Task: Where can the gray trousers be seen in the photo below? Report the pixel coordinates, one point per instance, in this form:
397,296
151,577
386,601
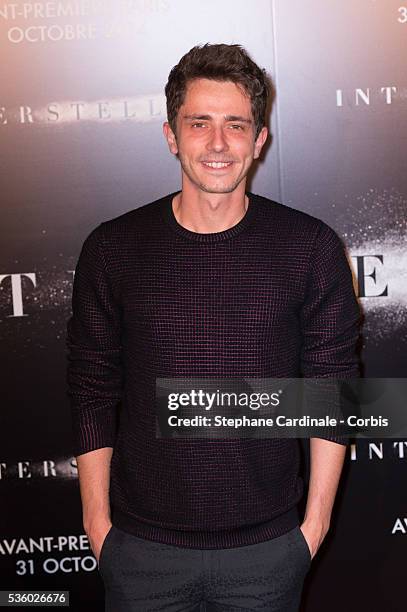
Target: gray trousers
142,576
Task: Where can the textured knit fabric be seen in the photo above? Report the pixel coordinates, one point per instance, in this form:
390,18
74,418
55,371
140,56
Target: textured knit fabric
270,297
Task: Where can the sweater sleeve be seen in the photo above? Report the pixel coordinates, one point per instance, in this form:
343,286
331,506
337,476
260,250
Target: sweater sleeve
329,322
94,352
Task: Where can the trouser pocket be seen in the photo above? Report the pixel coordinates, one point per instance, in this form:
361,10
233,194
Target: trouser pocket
104,549
304,545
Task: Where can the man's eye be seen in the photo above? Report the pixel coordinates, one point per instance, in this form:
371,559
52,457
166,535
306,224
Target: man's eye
237,127
198,125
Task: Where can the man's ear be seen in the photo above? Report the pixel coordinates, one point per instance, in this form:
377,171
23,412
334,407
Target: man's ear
170,138
260,140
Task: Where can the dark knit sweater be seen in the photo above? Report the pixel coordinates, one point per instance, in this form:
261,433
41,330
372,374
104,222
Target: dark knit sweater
270,297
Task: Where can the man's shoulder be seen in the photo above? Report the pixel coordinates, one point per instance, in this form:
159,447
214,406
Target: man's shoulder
291,223
143,219
276,212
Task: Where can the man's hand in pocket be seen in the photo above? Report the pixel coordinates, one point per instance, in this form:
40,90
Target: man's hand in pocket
97,535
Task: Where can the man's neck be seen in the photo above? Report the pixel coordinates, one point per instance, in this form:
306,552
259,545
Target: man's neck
206,213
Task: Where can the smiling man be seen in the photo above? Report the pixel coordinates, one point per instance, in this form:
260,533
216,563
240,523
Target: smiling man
215,146
211,281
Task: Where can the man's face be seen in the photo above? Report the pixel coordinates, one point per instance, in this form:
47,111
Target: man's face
215,136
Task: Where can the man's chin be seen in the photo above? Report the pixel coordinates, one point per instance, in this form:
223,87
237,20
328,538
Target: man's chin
219,188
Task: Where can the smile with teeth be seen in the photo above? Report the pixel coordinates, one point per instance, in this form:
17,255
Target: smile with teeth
217,164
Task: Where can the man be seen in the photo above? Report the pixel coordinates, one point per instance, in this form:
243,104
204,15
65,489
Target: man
211,281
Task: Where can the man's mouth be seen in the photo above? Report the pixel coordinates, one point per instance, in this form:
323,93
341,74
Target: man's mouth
213,164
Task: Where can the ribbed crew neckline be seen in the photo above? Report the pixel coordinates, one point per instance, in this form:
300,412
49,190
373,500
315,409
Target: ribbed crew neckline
168,215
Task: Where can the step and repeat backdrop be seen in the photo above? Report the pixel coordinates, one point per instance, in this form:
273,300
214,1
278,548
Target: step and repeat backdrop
81,113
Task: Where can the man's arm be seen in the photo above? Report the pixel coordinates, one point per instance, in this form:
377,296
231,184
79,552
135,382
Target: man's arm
330,327
94,478
94,382
326,466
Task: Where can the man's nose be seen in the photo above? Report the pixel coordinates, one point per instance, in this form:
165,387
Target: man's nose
217,141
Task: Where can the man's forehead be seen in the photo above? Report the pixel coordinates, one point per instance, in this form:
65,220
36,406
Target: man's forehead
207,97
199,85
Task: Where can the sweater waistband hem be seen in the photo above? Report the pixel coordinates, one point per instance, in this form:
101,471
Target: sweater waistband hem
227,538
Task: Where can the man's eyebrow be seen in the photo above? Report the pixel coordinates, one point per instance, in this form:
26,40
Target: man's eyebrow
227,117
198,117
238,118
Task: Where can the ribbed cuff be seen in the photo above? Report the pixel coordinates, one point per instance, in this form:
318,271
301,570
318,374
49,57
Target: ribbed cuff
92,434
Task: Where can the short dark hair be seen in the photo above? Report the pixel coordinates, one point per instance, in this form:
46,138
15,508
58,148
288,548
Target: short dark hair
219,62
